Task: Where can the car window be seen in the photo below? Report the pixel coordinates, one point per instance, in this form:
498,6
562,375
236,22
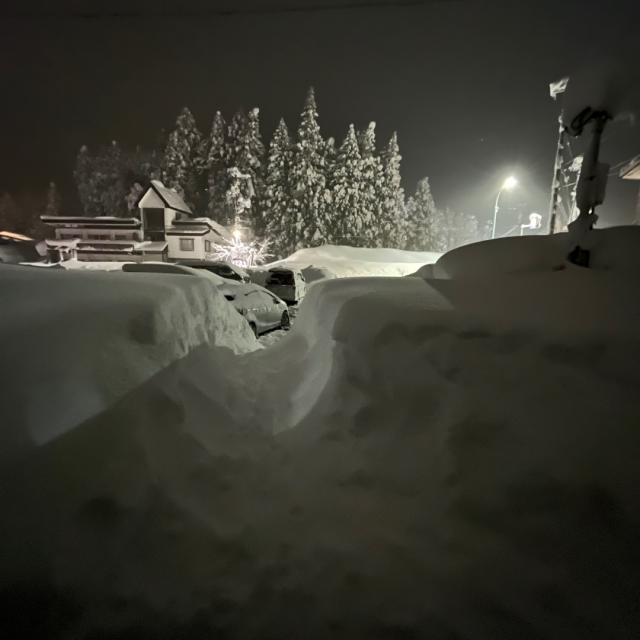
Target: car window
281,279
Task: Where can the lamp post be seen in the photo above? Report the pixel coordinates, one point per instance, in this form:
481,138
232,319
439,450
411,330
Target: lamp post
509,183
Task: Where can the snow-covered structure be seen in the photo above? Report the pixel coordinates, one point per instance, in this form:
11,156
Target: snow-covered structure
166,229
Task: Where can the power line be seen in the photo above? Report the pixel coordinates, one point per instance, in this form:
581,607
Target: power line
187,13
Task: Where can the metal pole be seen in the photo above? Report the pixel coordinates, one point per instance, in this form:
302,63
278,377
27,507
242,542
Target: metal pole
495,215
555,187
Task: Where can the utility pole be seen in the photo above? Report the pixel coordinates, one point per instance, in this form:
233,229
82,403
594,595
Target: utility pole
555,187
556,88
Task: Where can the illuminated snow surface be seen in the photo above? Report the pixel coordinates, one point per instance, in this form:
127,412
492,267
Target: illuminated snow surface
342,262
416,458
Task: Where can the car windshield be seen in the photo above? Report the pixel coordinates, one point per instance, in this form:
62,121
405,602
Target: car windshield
281,278
223,271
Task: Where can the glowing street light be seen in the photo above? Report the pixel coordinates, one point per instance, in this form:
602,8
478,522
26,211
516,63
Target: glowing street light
236,234
509,183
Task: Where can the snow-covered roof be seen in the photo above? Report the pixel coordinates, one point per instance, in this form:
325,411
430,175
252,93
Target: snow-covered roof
121,246
149,245
73,242
87,221
190,230
214,226
171,199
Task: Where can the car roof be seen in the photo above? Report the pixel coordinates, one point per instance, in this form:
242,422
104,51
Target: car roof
284,270
212,263
159,267
237,288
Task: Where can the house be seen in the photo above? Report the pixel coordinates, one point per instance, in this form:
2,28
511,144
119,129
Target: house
165,230
631,171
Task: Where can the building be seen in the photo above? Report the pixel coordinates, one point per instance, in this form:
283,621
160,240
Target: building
165,230
631,171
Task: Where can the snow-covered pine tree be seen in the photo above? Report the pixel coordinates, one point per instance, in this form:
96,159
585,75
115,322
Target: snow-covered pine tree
180,163
308,181
329,154
52,207
236,133
391,196
250,160
347,225
84,178
279,215
216,169
453,230
109,181
420,218
371,182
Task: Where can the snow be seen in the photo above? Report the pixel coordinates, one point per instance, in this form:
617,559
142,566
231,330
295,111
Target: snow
416,458
353,262
74,342
615,248
610,85
90,265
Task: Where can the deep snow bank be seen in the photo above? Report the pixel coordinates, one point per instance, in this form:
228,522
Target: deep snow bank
612,249
352,261
417,459
73,342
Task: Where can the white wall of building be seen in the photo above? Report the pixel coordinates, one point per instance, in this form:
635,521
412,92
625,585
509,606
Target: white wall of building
176,252
125,235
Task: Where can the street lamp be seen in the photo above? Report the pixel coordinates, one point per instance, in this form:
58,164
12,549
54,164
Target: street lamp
509,183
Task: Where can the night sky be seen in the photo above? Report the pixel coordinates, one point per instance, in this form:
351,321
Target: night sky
465,84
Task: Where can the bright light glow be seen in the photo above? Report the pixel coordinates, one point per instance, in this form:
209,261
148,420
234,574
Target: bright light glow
242,254
236,234
510,183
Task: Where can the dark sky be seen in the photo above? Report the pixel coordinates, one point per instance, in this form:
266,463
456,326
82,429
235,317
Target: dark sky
464,83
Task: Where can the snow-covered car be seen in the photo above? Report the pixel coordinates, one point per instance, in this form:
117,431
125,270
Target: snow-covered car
287,284
220,268
262,309
160,267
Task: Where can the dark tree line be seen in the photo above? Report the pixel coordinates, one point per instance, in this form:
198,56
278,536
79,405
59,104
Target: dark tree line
20,213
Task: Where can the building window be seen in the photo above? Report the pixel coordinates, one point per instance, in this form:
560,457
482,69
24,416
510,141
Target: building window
207,246
121,236
186,244
99,236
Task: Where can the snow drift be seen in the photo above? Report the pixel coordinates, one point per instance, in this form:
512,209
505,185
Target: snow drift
351,261
74,342
418,458
612,249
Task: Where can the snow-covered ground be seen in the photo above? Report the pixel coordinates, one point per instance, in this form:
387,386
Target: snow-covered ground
353,262
417,458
